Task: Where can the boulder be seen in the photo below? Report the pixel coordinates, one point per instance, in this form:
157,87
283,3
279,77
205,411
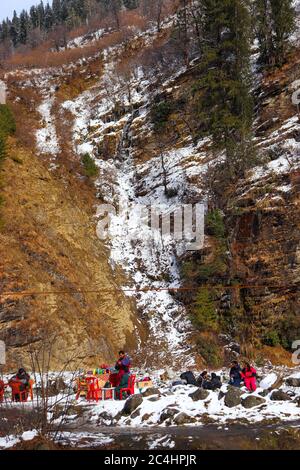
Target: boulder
105,416
277,384
60,411
199,394
146,416
280,395
131,404
167,414
251,401
183,418
293,382
235,347
136,413
55,387
72,410
264,393
268,381
151,391
233,397
297,400
154,398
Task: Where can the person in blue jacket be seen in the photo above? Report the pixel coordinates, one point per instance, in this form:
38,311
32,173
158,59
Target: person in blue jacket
235,374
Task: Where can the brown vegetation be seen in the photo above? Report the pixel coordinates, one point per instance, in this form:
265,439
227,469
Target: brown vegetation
43,55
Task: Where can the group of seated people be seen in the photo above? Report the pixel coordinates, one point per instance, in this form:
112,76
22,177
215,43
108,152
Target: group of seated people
209,382
238,376
205,380
247,374
119,378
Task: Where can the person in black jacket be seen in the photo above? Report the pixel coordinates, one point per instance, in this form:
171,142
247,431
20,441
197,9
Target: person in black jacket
235,374
188,377
203,377
214,383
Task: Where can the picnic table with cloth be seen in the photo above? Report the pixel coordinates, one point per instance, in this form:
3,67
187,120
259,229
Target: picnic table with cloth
104,386
97,386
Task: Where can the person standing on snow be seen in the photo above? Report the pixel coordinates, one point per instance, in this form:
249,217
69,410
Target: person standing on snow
235,374
123,365
248,374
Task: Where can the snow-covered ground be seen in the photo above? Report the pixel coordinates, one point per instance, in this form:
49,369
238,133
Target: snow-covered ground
46,137
178,398
165,406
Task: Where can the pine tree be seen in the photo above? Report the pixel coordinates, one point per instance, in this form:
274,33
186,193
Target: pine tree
80,9
48,18
275,21
24,27
57,11
41,15
14,29
4,30
34,17
264,30
225,104
131,4
64,11
283,17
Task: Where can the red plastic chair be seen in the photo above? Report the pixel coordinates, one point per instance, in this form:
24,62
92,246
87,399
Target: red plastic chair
19,395
2,389
92,388
82,388
130,388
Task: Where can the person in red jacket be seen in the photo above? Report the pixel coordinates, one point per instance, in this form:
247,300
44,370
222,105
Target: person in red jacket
248,374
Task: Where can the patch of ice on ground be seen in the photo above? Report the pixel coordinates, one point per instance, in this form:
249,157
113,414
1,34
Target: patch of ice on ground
161,441
83,439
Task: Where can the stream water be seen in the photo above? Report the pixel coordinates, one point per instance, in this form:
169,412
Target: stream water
207,437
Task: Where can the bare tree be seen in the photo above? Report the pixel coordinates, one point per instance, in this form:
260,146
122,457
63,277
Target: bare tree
59,37
53,395
154,10
114,8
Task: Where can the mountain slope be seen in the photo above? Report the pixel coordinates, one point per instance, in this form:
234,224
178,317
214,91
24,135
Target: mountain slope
109,105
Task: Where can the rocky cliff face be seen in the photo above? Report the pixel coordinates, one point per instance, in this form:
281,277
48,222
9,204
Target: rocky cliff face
55,278
111,106
263,216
